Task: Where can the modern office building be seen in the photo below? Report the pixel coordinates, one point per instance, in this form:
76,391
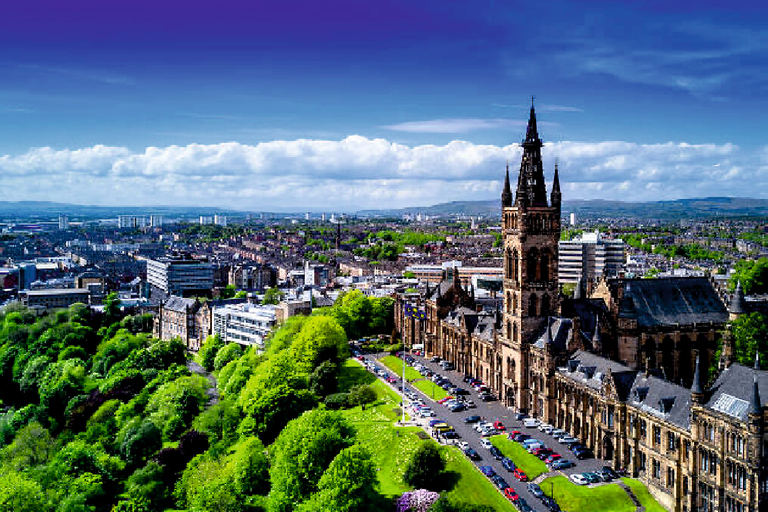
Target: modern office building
179,275
591,256
246,324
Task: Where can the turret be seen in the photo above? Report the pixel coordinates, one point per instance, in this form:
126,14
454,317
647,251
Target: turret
556,196
737,306
506,195
697,392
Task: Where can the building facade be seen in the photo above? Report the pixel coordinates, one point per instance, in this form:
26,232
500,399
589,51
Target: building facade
626,369
179,275
245,324
589,257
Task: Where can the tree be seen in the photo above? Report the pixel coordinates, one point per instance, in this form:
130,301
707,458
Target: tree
362,394
20,494
267,414
323,380
141,443
425,467
302,452
208,351
753,276
272,296
227,353
32,447
111,309
348,485
321,339
750,336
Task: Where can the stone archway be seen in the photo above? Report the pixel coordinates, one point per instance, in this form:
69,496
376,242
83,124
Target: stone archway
607,448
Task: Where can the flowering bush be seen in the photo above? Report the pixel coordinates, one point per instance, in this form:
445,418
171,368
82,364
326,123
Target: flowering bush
419,500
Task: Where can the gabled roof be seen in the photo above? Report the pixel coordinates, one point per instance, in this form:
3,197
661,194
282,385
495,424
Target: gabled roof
662,399
732,392
676,300
180,304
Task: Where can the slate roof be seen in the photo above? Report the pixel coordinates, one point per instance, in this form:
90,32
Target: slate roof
676,300
732,391
647,393
176,303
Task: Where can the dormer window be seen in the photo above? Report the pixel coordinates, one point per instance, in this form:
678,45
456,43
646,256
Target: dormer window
641,393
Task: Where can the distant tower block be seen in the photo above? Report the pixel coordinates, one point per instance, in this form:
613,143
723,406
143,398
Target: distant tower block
63,222
220,220
573,219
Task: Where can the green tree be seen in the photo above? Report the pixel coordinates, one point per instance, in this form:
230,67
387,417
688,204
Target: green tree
362,394
753,276
111,309
32,447
20,494
750,336
209,350
348,485
140,443
272,296
266,415
227,353
425,467
321,339
324,380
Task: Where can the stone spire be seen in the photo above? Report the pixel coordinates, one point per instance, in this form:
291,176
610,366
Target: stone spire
755,405
531,189
578,292
556,197
697,392
506,195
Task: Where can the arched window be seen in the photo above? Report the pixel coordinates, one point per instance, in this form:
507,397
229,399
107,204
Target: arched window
508,264
544,263
513,270
514,331
532,262
532,306
545,305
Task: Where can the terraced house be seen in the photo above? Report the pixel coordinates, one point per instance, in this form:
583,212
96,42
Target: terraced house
625,369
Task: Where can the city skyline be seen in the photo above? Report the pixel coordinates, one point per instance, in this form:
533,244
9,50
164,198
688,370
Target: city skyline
353,106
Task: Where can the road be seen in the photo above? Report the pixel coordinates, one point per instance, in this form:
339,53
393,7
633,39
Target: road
495,411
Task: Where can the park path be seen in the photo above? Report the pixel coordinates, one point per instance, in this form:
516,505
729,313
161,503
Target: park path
213,390
635,501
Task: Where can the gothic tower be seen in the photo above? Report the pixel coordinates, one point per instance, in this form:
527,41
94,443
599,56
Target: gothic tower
531,227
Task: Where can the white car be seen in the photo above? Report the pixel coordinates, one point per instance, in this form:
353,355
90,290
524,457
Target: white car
485,443
567,440
531,422
558,433
426,412
463,445
546,428
578,479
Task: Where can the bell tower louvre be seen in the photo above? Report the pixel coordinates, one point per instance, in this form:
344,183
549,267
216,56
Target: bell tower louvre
531,228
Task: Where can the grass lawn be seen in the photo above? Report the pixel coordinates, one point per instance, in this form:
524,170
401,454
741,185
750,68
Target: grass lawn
531,464
395,364
391,448
643,496
353,373
580,498
430,389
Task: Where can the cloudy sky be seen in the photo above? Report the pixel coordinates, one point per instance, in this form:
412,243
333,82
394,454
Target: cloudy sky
349,104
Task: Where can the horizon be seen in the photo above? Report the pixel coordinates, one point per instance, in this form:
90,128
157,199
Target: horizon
347,106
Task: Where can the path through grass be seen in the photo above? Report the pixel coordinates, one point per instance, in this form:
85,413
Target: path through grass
643,496
580,498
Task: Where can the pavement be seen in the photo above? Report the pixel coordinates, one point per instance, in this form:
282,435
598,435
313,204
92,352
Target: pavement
493,411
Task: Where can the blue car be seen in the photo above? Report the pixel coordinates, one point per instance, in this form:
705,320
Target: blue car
508,464
487,471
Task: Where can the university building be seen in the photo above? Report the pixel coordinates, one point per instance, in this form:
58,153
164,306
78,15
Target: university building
630,367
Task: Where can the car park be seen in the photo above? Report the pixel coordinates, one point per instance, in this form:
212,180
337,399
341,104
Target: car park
578,479
520,475
535,490
507,463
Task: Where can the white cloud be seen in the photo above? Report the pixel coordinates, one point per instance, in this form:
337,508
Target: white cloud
358,172
454,125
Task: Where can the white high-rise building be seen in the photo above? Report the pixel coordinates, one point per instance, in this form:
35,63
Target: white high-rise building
63,222
220,220
156,221
591,256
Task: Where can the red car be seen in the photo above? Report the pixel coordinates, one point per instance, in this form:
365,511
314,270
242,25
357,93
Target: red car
512,434
499,426
552,458
520,475
511,494
542,452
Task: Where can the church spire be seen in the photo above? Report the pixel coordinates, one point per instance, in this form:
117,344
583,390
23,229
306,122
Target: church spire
531,189
506,195
556,196
697,392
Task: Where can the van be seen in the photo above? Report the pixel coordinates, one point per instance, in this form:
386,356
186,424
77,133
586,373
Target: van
529,442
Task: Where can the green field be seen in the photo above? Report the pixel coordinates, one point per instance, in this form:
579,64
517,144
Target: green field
580,498
395,364
643,496
532,465
392,446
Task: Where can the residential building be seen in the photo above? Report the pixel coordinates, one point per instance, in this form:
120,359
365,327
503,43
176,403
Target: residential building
189,320
51,298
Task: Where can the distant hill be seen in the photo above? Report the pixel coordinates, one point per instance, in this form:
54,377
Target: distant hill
664,210
47,210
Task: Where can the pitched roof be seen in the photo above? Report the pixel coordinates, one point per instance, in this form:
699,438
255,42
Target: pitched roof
732,392
676,300
180,304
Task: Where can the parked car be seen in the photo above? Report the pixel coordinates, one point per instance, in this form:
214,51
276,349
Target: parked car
520,475
458,407
531,422
546,428
512,433
552,457
605,476
610,471
499,426
463,445
472,419
584,453
508,464
434,422
472,454
487,471
486,397
535,490
496,453
592,478
568,440
511,494
451,434
521,437
551,504
499,482
520,416
578,479
562,464
485,443
523,505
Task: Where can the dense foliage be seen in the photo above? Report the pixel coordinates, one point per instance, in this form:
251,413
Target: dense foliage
753,276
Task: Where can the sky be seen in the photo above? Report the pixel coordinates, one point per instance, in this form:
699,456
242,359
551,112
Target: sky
344,104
